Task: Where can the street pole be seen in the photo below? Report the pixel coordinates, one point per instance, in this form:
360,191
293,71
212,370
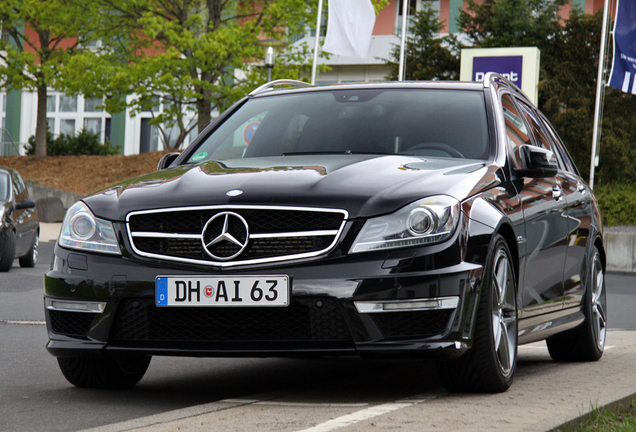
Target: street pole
600,93
403,43
316,44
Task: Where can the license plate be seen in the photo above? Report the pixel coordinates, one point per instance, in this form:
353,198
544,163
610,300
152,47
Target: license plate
222,291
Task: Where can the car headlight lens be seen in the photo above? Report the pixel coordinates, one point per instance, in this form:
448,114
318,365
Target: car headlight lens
81,230
430,220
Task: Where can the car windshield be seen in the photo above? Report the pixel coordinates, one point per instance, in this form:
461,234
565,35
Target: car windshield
4,187
421,122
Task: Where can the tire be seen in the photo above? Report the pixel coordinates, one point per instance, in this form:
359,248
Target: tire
490,364
120,372
31,257
587,341
8,253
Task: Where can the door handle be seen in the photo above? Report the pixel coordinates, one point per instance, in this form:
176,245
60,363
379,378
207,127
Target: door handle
581,188
557,193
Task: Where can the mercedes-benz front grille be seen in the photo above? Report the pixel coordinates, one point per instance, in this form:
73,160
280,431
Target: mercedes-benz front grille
234,235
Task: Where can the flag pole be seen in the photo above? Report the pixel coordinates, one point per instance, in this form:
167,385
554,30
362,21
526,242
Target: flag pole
600,92
316,44
402,57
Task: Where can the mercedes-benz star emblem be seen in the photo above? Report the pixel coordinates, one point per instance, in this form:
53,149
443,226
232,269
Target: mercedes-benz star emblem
225,236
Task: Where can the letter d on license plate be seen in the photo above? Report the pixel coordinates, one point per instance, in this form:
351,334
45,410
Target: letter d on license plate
222,291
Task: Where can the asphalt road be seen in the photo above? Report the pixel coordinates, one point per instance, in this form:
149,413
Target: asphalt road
34,396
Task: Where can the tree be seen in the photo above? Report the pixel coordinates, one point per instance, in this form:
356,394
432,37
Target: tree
43,35
428,56
194,55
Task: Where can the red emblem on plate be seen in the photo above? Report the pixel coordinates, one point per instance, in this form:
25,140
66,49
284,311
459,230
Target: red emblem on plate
209,291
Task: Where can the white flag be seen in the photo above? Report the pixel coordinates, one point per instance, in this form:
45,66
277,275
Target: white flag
349,27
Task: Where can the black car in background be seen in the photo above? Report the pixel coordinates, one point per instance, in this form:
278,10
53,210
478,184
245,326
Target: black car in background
19,226
440,219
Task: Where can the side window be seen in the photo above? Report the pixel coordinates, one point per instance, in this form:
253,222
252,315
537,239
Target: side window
542,138
4,188
560,147
516,131
19,190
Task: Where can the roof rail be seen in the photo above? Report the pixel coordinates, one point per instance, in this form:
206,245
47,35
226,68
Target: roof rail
270,85
492,76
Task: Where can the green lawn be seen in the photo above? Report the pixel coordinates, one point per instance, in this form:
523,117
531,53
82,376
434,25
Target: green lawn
622,419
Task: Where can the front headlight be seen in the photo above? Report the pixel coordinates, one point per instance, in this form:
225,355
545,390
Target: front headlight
81,230
430,220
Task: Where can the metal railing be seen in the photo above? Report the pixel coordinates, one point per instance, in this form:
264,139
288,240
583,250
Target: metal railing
8,147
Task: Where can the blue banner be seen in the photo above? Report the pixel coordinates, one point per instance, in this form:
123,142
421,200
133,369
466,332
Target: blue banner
623,75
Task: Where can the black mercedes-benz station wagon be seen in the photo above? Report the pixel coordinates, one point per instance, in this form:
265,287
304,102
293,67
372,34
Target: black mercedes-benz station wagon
420,219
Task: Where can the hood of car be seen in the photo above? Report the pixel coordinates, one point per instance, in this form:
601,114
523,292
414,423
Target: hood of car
364,185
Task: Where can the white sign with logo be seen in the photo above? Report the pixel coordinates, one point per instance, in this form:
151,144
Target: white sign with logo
519,65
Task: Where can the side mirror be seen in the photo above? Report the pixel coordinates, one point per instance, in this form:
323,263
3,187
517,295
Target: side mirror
166,160
539,162
24,204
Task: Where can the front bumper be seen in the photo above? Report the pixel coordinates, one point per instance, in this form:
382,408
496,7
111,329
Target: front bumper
380,304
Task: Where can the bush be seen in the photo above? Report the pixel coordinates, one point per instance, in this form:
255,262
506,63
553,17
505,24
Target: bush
617,202
84,143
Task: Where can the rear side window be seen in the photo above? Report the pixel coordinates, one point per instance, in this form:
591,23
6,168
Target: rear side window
422,122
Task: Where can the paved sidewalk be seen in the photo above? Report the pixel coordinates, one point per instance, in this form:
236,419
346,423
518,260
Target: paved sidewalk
544,396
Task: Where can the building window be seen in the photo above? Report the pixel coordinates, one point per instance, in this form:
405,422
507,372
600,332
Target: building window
68,103
323,27
93,125
91,104
67,127
50,124
51,103
153,104
414,6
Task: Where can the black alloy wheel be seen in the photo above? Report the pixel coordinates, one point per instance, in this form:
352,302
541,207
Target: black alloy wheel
31,257
8,252
586,342
490,364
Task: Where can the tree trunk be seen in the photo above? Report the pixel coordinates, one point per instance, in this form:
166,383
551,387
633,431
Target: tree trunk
204,112
41,126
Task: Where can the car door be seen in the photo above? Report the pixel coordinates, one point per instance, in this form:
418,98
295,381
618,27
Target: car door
544,210
580,208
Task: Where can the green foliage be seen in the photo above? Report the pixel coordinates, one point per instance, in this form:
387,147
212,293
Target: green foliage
428,56
506,23
42,37
618,419
617,202
84,143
